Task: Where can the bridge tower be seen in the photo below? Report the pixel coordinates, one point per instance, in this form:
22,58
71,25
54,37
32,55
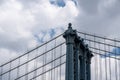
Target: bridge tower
78,56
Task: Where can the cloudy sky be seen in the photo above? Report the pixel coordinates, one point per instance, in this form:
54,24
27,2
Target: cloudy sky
27,23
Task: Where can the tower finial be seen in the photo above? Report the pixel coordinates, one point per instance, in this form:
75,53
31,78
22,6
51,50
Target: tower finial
70,25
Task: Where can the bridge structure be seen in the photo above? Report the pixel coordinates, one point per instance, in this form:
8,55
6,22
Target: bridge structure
72,55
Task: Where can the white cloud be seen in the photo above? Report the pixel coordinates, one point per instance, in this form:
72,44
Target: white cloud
21,20
54,15
18,24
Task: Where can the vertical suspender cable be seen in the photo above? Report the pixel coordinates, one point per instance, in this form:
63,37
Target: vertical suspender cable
60,60
9,78
54,61
18,67
52,65
35,63
115,59
26,77
105,59
95,58
100,73
45,57
109,62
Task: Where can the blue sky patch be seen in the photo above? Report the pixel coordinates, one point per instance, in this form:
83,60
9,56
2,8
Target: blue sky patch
114,52
60,3
51,33
42,37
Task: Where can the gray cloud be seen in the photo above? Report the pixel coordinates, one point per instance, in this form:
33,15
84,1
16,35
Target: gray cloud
100,17
1,1
89,6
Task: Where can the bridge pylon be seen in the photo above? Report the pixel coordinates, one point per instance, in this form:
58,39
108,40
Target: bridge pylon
78,56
